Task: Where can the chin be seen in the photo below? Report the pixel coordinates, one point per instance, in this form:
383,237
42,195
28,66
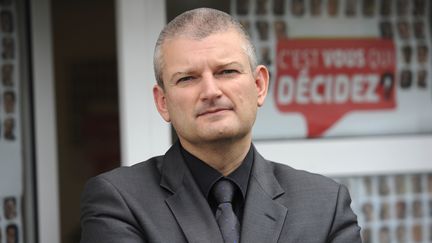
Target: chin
224,135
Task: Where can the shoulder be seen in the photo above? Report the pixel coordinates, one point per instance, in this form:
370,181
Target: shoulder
150,166
319,205
300,181
291,179
129,178
322,197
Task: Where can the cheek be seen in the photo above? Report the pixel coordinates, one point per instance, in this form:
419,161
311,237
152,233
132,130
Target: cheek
250,100
247,96
179,107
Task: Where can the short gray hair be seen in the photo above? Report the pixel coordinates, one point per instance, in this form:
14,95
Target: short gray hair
198,24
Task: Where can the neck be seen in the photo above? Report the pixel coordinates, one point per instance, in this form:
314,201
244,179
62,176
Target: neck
224,156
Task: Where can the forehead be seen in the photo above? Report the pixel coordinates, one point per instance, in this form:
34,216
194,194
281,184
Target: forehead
217,46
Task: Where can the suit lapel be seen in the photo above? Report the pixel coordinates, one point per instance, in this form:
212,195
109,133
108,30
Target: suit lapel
187,203
263,216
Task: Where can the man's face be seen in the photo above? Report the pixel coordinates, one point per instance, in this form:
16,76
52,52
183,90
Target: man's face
211,94
11,235
8,125
9,103
10,209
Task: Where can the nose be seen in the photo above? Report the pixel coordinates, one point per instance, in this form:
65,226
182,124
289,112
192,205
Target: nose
210,89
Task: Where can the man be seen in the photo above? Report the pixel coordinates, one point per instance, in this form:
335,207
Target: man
10,208
209,87
11,233
9,126
9,101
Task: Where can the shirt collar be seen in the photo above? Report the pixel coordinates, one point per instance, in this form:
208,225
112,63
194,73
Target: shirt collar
205,176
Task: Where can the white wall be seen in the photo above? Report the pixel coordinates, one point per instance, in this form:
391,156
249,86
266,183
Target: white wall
143,132
354,156
45,123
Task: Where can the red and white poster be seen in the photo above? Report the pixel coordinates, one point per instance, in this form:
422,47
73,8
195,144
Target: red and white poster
325,79
342,68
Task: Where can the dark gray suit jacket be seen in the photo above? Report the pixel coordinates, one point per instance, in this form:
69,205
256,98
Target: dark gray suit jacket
159,201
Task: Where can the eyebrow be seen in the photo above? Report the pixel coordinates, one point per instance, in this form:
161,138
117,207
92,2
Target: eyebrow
235,63
219,66
173,77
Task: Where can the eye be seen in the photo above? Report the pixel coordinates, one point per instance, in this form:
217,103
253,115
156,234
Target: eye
187,78
228,71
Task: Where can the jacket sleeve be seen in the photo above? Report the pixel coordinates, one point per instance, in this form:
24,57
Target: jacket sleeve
105,216
344,227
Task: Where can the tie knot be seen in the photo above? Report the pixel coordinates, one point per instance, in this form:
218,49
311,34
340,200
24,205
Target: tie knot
223,191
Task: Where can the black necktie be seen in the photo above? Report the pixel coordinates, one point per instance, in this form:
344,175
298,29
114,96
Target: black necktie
223,192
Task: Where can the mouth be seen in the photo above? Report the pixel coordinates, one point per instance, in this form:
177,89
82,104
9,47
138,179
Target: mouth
213,111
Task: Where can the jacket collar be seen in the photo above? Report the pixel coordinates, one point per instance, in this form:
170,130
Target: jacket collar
187,203
195,217
262,205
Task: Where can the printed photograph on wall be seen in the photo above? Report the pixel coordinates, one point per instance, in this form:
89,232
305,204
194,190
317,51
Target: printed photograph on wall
11,160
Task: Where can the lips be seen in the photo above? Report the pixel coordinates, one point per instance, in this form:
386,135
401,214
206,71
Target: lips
213,110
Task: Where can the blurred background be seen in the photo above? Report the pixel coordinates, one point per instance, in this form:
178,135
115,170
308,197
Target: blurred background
350,97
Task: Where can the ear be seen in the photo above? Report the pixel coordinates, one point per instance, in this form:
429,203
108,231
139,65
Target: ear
160,102
262,82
